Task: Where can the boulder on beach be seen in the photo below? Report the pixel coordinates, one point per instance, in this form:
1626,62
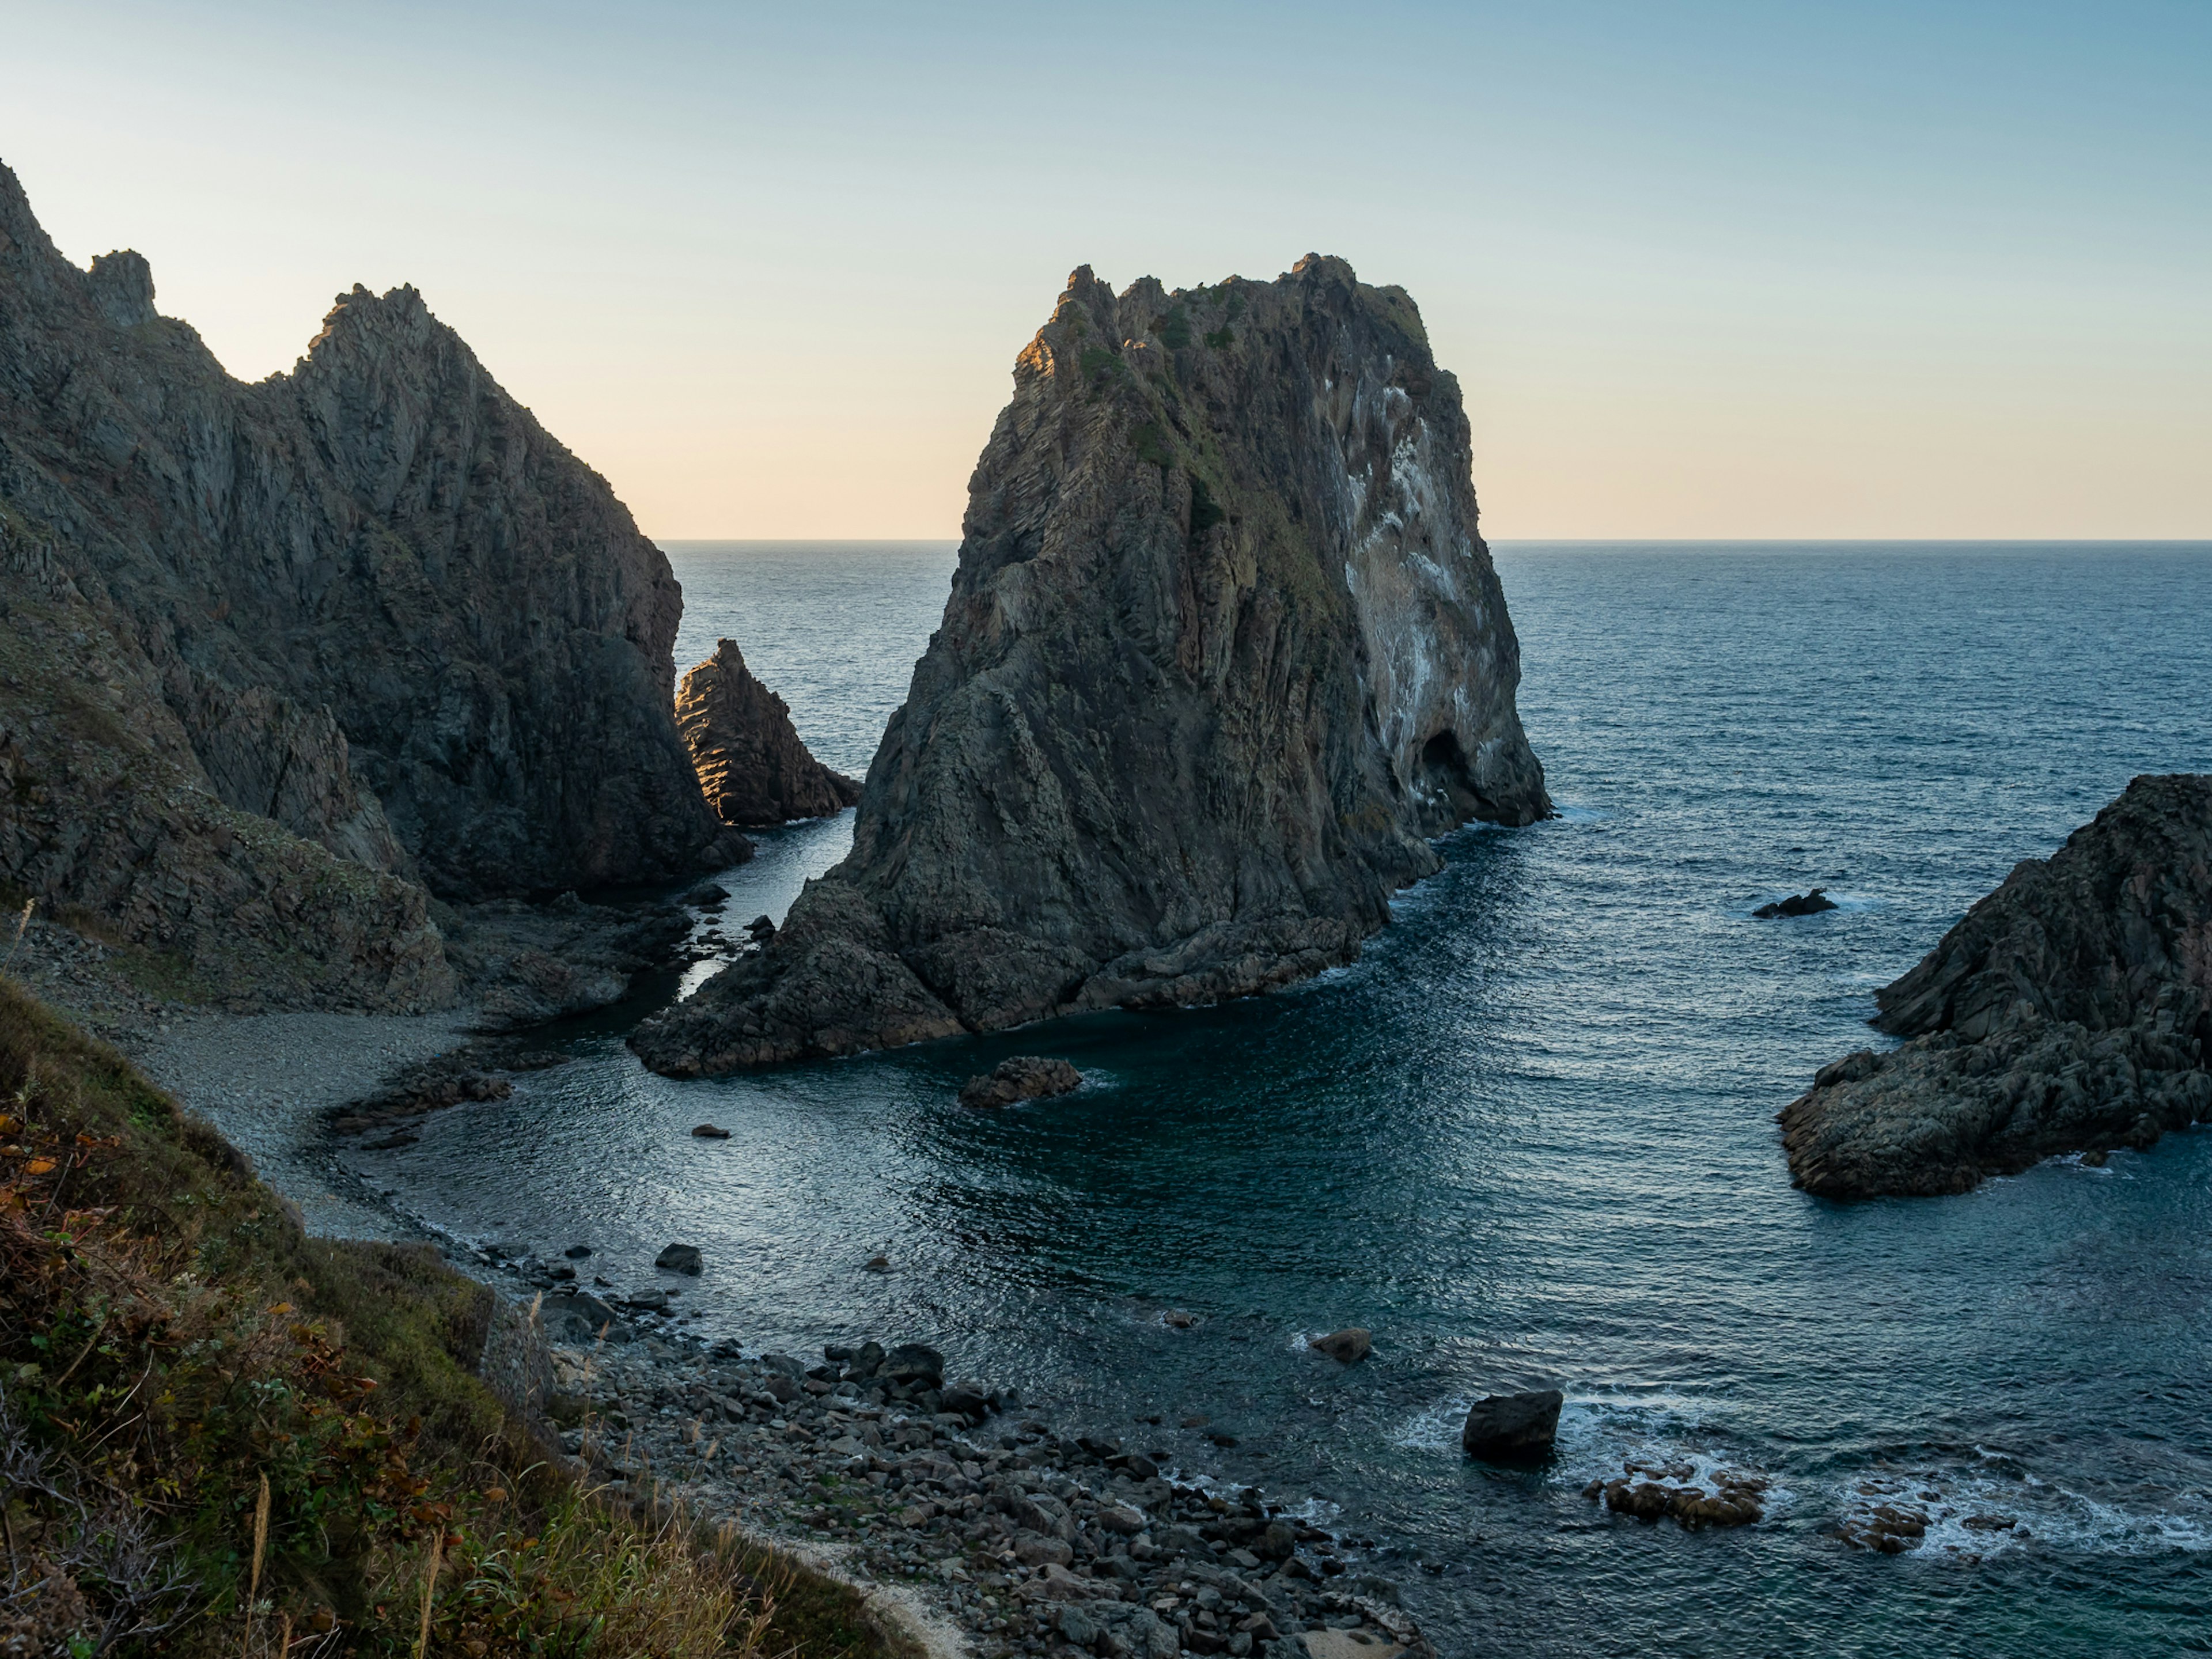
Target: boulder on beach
680,1259
1797,904
1347,1346
1513,1428
1225,651
1025,1077
2070,1012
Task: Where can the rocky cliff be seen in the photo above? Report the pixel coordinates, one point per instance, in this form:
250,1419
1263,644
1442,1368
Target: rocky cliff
1222,649
751,762
352,629
2071,1011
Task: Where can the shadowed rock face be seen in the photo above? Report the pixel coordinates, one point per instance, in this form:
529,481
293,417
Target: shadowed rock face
751,762
370,603
2071,1011
1223,648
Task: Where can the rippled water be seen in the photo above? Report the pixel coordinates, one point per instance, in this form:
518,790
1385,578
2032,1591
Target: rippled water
1528,1137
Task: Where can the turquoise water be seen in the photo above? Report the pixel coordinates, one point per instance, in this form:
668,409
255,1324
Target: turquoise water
1527,1138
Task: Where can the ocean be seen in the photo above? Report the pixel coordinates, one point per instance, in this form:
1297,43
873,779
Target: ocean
1528,1137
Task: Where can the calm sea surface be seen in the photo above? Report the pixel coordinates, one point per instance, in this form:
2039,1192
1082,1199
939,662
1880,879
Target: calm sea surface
1529,1138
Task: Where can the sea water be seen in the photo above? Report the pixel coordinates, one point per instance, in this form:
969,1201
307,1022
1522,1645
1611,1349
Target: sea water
1528,1137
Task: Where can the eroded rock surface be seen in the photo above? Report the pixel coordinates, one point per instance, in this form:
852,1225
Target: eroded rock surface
2071,1011
753,767
276,657
1223,649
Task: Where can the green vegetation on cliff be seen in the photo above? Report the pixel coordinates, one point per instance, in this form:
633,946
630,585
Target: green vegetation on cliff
218,1434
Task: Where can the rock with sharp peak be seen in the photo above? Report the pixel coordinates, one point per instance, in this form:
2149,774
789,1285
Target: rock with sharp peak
281,656
1224,651
2070,1012
753,767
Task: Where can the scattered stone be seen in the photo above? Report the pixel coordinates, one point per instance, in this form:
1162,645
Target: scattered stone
1648,1493
760,930
708,897
680,1259
1513,1428
878,1264
1179,1319
710,1132
1347,1346
1798,904
1024,1077
577,1252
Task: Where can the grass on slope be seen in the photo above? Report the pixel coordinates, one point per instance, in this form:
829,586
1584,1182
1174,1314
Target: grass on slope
219,1436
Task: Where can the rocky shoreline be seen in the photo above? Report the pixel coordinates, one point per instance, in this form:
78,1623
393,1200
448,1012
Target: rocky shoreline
1020,1535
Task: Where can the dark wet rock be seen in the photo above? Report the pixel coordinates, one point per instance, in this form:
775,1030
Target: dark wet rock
1347,1346
914,1363
1513,1428
752,767
1224,651
577,1252
1024,1077
680,1259
759,929
711,896
710,1132
2071,1011
1648,1492
526,964
1798,904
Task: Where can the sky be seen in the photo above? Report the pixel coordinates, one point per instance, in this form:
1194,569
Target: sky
1704,270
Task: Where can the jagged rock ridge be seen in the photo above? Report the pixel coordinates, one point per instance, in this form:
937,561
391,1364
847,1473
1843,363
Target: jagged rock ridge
1222,649
751,762
2069,1011
352,628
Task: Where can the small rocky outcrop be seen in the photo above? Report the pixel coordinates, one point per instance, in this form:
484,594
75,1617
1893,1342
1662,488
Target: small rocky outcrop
2071,1011
1024,1077
1797,904
279,656
1224,651
1513,1428
1347,1346
753,767
1649,1492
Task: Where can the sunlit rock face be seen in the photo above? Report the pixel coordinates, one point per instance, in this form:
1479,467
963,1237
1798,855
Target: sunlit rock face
751,765
282,655
1223,648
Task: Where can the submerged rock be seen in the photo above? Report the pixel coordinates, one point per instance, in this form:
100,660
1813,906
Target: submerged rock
2071,1011
1024,1077
1797,904
1347,1346
753,767
1513,1428
1223,650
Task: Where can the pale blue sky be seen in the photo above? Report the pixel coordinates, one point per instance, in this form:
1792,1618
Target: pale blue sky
1704,270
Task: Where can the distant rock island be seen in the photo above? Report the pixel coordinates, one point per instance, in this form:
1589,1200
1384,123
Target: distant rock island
280,661
751,762
1223,648
2071,1011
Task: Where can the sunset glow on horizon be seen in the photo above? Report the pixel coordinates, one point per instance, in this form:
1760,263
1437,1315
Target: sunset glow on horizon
1704,271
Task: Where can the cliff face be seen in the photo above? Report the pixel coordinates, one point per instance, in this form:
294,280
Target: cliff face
370,604
1223,648
751,762
2069,1011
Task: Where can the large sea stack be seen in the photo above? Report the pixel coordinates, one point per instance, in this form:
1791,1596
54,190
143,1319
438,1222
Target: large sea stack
1223,648
2071,1011
276,657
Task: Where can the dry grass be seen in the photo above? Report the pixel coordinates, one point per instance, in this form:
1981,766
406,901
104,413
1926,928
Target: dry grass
218,1436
